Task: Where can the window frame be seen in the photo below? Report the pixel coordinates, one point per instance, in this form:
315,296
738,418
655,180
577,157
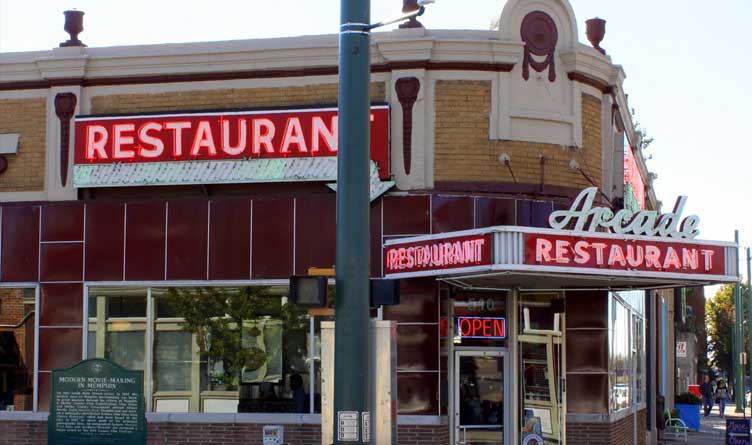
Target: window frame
633,302
36,288
151,319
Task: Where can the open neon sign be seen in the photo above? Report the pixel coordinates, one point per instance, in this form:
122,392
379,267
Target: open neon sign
482,327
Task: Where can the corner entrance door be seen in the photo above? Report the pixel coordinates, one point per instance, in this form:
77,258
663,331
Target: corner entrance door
479,394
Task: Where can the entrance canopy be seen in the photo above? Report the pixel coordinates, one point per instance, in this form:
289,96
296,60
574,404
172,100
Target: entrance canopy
532,258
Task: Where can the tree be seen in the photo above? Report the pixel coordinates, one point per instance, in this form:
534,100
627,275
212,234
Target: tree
223,320
720,319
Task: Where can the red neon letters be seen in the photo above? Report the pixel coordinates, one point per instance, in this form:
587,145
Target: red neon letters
438,254
481,327
221,135
620,254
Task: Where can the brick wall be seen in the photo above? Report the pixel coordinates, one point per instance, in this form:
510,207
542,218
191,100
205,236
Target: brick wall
423,434
223,99
26,117
620,432
14,432
463,151
35,433
642,427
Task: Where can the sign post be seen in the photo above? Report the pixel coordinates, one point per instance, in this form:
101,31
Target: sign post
738,341
96,401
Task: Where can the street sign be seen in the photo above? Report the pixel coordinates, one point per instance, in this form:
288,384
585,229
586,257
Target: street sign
96,401
737,431
274,435
347,426
681,349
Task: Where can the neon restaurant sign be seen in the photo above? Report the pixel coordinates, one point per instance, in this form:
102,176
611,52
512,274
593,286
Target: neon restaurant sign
274,145
625,246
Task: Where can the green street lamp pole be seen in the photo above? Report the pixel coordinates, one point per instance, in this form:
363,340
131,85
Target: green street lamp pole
738,340
351,344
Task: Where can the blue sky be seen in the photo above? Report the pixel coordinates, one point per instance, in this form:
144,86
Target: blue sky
686,61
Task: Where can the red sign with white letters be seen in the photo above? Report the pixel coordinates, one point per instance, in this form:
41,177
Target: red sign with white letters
438,254
222,135
623,254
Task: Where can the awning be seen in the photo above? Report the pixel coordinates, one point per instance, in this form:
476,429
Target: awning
548,259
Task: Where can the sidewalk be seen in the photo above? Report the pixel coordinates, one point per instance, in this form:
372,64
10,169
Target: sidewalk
713,428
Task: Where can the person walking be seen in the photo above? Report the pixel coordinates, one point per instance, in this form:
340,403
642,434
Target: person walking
706,391
721,395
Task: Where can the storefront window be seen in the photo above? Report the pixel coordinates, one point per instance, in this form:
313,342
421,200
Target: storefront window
626,351
213,349
620,357
117,326
17,322
540,341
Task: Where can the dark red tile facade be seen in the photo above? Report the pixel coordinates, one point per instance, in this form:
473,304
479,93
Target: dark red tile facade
315,232
418,347
451,213
419,302
491,212
59,347
407,215
145,241
273,238
61,261
417,393
19,260
105,222
187,237
61,304
230,239
63,222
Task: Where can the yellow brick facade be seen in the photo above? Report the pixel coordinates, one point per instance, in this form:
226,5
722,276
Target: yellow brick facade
26,117
223,99
463,151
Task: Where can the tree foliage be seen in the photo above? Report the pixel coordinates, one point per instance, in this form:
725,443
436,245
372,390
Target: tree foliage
720,317
221,318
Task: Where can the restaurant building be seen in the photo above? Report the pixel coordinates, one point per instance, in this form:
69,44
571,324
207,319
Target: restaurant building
156,199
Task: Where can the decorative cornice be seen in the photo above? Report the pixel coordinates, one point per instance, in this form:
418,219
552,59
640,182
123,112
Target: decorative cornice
582,78
252,74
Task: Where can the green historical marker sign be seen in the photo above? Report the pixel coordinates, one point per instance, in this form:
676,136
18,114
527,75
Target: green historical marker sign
96,402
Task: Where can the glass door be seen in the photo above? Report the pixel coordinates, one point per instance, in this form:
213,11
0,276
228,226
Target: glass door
479,410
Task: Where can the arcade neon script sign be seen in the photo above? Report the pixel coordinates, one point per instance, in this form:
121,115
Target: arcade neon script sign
292,135
438,254
629,253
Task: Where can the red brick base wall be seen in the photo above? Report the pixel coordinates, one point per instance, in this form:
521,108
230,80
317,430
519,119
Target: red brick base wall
620,432
423,434
35,433
23,432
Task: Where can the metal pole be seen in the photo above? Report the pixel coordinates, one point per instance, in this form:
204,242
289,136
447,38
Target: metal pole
749,314
351,344
738,340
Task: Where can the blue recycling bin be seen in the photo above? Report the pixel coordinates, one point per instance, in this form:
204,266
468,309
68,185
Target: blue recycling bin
690,414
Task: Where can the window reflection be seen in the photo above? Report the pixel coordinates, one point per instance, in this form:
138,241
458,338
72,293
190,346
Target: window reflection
626,351
17,318
540,351
213,349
